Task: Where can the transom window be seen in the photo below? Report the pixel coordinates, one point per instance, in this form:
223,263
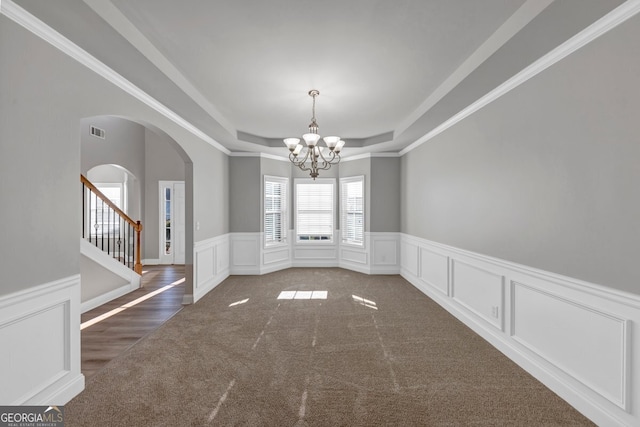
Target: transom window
315,210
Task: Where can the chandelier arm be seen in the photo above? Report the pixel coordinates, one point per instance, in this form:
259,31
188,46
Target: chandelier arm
331,158
298,162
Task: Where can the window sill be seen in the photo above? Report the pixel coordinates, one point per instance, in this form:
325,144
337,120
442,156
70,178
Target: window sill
278,245
353,245
315,242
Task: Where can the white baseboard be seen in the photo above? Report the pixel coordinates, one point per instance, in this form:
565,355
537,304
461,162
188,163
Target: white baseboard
109,296
588,361
40,336
150,261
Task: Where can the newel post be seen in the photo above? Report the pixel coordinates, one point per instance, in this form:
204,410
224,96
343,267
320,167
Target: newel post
138,266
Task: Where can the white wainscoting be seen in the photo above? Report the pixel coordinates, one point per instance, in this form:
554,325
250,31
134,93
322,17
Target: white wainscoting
379,255
40,339
210,264
575,337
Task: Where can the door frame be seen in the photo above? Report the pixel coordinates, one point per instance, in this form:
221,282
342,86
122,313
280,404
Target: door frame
164,258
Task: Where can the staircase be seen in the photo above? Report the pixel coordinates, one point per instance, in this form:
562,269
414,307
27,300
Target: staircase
110,246
110,229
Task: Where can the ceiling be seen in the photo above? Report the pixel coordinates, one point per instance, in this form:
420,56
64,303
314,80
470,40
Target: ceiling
240,70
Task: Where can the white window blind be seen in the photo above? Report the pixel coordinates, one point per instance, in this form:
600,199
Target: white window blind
352,210
314,211
275,210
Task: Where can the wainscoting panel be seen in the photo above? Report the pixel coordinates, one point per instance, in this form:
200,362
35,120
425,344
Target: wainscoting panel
584,342
40,336
478,290
245,253
313,255
434,269
409,257
385,253
275,258
580,339
211,264
353,255
277,255
205,266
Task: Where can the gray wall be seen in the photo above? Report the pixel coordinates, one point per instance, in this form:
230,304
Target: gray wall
123,146
244,200
43,98
246,183
546,176
385,194
162,163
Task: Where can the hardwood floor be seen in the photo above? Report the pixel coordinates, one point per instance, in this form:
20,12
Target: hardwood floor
129,318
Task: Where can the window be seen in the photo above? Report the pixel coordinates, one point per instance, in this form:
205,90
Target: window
103,219
275,210
352,210
314,210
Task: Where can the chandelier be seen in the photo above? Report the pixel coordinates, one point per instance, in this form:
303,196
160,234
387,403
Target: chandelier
314,158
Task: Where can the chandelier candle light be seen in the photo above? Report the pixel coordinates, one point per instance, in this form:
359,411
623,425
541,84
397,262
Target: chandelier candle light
320,158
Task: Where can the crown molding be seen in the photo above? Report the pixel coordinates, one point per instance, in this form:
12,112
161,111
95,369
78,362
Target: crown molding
608,22
60,42
257,154
524,15
369,156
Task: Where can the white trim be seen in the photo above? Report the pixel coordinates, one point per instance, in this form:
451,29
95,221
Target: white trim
341,210
150,261
283,180
210,266
368,156
258,154
588,361
525,14
592,32
47,375
57,40
615,295
106,297
116,19
96,255
379,255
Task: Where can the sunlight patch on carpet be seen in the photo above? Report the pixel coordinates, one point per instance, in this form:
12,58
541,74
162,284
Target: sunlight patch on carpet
365,302
233,304
303,295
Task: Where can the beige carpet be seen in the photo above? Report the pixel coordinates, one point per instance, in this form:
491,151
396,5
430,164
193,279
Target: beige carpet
388,356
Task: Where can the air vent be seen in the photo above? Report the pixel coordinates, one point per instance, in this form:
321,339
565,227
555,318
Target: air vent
97,132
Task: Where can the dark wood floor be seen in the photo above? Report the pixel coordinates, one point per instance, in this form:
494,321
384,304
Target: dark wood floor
103,341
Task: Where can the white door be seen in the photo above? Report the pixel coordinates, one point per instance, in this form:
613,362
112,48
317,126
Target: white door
172,222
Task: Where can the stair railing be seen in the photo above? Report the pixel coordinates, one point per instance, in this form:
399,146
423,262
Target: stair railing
107,227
